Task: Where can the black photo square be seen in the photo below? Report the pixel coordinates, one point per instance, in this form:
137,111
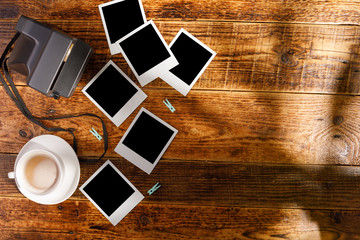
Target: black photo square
120,17
147,53
145,49
146,140
193,57
108,190
148,137
111,192
114,93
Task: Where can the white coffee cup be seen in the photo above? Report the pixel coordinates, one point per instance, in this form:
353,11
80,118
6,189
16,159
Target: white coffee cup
37,172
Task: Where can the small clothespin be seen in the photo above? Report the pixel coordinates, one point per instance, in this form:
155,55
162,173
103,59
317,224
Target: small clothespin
154,188
96,134
168,104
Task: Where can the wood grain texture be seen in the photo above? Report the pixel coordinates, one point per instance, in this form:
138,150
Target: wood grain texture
207,183
81,220
307,11
173,222
218,126
250,57
24,219
268,142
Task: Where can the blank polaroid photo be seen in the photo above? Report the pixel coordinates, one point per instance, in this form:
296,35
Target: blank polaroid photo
193,57
146,140
111,192
114,93
147,53
120,17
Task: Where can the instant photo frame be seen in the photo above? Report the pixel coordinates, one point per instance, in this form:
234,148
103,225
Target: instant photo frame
114,93
111,192
147,53
120,17
193,57
146,140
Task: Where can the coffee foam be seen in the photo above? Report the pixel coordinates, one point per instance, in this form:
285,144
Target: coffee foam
41,173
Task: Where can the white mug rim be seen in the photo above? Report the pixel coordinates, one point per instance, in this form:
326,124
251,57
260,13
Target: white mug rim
27,192
68,158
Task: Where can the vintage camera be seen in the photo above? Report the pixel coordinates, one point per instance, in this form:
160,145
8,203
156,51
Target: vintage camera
52,60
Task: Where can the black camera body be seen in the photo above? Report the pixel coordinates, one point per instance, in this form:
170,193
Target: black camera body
52,60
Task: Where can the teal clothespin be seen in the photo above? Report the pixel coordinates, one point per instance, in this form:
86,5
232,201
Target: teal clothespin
95,133
168,104
154,188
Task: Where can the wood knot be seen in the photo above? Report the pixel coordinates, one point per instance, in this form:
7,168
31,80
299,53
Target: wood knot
144,220
26,133
328,185
338,120
76,212
286,56
337,216
233,210
289,56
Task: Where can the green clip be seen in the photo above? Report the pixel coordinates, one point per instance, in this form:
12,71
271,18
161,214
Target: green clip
168,104
95,133
154,188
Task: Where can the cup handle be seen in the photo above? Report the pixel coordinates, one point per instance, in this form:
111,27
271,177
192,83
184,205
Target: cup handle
11,175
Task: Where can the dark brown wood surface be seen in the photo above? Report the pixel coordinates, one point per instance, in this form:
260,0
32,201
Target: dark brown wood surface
269,137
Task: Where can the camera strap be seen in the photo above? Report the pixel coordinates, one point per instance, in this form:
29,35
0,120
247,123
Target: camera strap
15,96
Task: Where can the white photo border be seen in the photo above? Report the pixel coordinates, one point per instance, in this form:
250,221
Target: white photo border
152,73
126,206
114,47
176,82
134,157
126,110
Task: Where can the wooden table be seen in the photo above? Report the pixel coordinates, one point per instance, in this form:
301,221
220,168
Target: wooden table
268,142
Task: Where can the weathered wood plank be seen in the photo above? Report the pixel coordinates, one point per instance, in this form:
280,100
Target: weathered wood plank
230,126
250,57
184,222
245,162
173,222
22,219
338,12
207,183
